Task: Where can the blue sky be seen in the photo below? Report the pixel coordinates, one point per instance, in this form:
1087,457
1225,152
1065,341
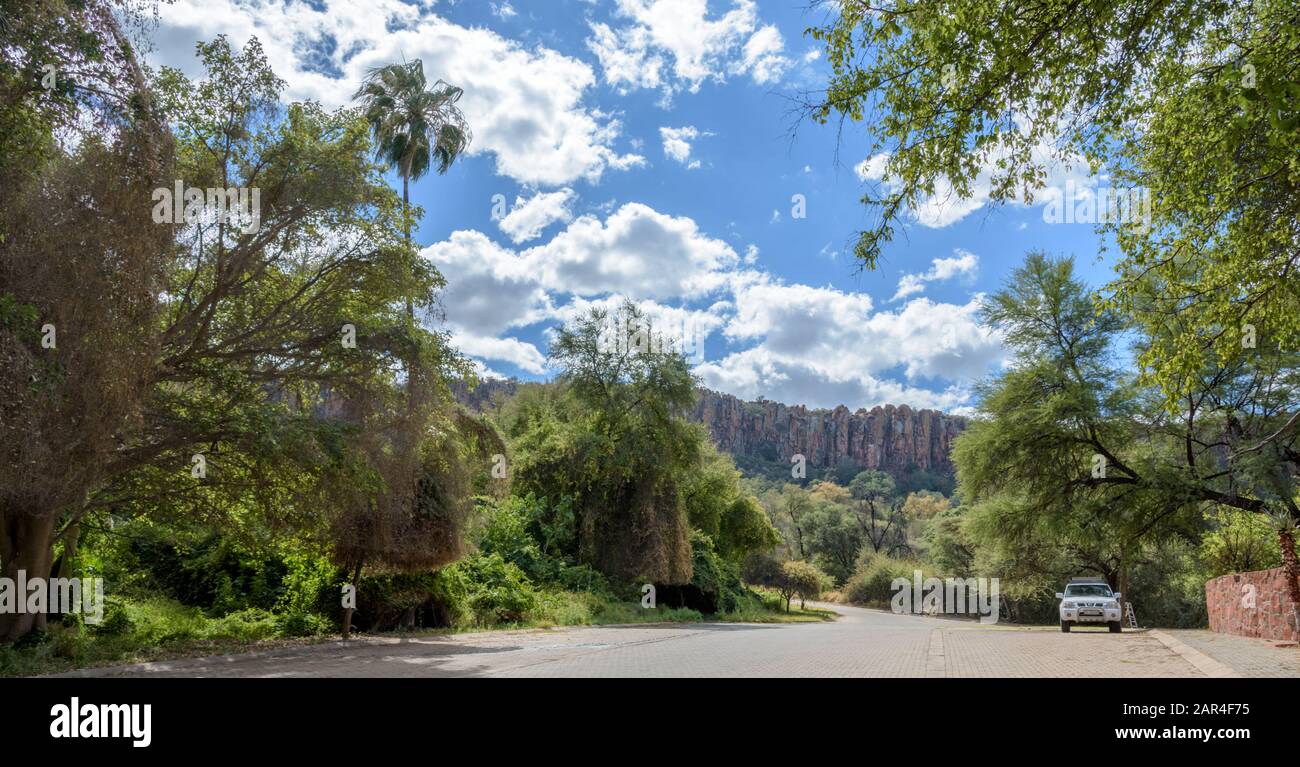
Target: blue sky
644,149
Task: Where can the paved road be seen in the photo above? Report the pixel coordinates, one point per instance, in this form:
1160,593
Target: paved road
862,643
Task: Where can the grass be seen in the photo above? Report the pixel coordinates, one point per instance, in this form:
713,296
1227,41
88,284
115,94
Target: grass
137,631
155,629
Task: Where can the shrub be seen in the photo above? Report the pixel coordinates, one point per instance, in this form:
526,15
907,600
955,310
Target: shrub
116,621
803,579
872,583
499,592
583,578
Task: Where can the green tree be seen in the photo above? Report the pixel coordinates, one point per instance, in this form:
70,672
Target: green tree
1070,449
1196,103
80,269
718,506
416,127
612,437
802,579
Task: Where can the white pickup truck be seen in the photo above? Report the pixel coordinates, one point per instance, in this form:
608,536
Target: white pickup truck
1090,600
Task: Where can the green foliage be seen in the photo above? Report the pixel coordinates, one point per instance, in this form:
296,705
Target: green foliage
499,591
802,579
718,506
871,583
716,577
1194,103
1239,542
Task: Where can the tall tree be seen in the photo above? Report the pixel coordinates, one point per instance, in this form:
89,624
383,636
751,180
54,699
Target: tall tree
80,266
1070,448
616,442
1196,103
416,127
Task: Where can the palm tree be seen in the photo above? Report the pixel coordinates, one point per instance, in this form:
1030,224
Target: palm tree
416,127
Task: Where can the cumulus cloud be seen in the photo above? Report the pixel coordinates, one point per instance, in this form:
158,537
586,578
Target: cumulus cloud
635,251
962,263
523,355
490,289
526,105
797,343
674,44
529,217
677,143
825,347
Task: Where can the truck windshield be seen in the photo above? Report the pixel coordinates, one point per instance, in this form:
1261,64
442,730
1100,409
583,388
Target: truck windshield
1087,590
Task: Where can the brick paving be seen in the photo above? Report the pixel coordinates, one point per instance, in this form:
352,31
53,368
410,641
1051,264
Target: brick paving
862,643
1247,656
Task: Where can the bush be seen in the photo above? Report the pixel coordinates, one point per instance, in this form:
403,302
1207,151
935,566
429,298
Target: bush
499,591
116,621
584,578
871,583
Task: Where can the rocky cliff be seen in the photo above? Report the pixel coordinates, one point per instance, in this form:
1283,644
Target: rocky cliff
889,438
894,439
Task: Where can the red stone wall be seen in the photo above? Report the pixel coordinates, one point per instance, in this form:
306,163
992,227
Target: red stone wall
1228,599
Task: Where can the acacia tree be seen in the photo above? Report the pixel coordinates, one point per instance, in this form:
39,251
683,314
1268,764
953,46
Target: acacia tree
1071,449
879,513
1197,103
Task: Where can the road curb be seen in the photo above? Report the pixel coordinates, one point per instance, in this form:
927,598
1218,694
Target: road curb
1204,663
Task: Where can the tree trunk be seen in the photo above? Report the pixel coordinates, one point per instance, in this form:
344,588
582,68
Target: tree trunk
1291,567
25,545
67,561
406,223
347,611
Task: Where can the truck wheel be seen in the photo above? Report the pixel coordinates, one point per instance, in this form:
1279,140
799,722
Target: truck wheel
1065,627
1115,627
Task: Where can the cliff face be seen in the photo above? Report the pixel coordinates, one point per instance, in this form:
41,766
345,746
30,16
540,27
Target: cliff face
887,438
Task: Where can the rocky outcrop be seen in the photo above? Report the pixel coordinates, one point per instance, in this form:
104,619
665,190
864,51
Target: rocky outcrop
894,439
889,438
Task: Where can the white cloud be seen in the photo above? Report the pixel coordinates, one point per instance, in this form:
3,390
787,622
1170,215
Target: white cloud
824,347
673,44
963,263
518,353
945,207
529,217
490,289
872,168
677,143
796,343
638,251
525,105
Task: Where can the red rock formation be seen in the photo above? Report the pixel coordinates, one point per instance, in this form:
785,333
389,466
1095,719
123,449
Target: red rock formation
888,438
